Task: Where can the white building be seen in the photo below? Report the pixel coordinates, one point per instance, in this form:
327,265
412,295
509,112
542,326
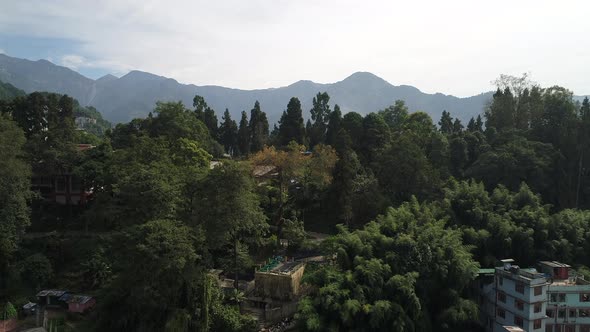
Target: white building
518,297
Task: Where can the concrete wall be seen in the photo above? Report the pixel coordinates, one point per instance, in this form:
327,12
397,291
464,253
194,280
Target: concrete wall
278,286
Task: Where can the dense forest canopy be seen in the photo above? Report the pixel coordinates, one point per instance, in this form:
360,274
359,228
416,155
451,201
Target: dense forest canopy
415,206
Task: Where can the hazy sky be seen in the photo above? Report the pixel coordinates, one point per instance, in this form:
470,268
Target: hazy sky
454,47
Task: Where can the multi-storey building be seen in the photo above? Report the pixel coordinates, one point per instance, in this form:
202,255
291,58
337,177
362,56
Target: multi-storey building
517,297
568,296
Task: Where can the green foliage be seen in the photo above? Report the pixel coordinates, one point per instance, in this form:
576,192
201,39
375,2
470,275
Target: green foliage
37,270
15,177
7,311
397,264
291,124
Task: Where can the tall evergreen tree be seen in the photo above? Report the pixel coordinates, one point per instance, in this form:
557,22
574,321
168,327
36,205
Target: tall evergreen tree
457,126
291,124
479,124
228,133
200,106
320,113
210,120
259,128
471,126
334,126
446,123
244,135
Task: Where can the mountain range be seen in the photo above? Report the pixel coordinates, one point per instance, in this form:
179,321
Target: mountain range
135,94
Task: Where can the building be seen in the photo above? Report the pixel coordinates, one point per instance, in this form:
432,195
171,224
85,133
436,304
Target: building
279,280
277,289
516,298
64,188
568,299
78,303
50,297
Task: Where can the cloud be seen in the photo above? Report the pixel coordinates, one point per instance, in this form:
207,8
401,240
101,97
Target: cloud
2,51
457,46
73,61
77,62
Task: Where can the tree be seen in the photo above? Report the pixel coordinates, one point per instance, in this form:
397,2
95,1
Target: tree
446,123
320,114
352,122
376,135
159,276
228,134
229,210
295,168
291,124
457,126
15,181
395,115
210,120
334,126
244,135
258,128
389,275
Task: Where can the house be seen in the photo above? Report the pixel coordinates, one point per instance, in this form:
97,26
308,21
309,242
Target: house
568,299
552,299
50,298
78,303
64,188
517,297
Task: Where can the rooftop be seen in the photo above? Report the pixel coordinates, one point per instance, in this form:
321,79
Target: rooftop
75,298
279,265
527,275
51,292
554,264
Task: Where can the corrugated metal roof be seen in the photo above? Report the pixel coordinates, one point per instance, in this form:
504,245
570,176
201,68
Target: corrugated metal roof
51,292
75,298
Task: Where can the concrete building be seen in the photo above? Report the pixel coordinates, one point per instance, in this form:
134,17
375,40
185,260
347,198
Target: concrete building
568,299
516,298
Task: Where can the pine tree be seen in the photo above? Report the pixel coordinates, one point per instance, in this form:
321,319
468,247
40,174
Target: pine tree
244,135
479,124
334,126
320,113
446,123
457,126
291,124
259,128
228,133
471,126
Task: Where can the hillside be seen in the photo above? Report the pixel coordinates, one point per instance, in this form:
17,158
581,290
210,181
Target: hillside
134,94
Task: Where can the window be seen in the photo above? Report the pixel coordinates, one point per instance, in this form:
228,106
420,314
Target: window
570,328
572,313
538,307
501,313
561,313
548,328
561,297
501,280
553,297
537,324
518,321
550,312
502,297
584,312
585,297
519,304
584,328
538,291
519,287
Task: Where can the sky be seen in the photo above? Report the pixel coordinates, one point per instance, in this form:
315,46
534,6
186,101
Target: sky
455,47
